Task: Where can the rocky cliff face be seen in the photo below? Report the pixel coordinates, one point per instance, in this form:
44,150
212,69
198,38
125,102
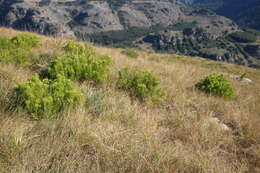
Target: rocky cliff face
65,17
197,42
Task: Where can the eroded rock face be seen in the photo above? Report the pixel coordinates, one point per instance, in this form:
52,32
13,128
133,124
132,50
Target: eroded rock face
96,16
196,42
133,18
29,15
162,13
65,17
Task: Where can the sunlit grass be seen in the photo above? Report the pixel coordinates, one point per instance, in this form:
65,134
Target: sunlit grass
116,133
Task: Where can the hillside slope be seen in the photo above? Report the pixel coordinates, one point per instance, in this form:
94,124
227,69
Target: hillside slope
129,23
243,12
188,131
67,18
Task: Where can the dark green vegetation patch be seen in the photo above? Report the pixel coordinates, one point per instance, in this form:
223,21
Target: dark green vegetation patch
25,41
73,47
216,85
17,49
140,84
243,37
130,53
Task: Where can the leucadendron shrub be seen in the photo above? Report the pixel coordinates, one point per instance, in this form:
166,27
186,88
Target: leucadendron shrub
5,43
17,49
81,67
140,84
75,48
26,41
130,53
9,53
217,85
46,98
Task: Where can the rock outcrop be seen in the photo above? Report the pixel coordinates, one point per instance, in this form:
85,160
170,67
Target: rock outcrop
66,17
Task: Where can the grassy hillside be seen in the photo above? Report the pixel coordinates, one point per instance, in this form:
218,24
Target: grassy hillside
187,131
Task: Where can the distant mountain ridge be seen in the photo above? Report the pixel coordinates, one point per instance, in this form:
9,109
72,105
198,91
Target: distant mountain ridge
245,12
65,17
161,25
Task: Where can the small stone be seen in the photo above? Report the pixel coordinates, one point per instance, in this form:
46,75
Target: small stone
216,121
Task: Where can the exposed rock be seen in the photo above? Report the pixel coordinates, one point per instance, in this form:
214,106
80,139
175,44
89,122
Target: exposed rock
217,122
27,15
162,13
196,42
95,17
239,78
65,17
133,18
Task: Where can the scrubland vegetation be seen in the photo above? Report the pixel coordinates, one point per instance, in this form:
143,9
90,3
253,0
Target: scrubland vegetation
130,53
71,107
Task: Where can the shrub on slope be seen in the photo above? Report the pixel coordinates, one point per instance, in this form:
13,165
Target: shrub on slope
18,48
217,85
26,41
141,84
46,98
81,63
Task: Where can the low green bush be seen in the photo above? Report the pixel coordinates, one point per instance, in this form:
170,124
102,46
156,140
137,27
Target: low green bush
13,55
5,49
217,85
26,41
81,67
46,98
130,53
73,47
5,44
17,49
140,84
19,56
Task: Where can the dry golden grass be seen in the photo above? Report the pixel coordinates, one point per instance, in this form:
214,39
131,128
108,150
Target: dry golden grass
128,136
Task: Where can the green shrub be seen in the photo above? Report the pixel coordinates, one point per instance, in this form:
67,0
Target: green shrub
81,67
15,55
19,56
5,49
130,53
73,47
26,41
141,84
46,98
5,44
217,85
16,50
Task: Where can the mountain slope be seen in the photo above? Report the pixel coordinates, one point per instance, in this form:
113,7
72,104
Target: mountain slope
238,10
133,24
66,18
62,17
188,132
